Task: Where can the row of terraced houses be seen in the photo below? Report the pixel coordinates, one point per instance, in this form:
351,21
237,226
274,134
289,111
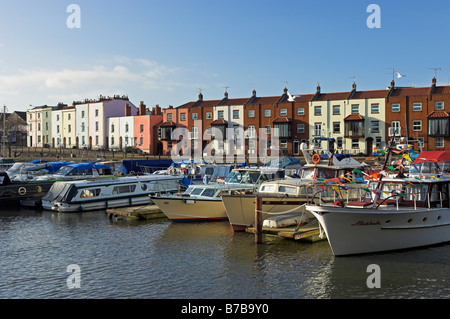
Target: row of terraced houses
358,121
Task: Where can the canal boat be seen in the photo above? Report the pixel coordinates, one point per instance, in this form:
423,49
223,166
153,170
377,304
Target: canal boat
203,202
290,194
397,213
104,193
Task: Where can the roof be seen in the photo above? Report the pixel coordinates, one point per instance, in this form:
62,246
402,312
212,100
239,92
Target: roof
369,94
168,123
354,117
283,119
411,91
438,114
219,122
332,96
442,90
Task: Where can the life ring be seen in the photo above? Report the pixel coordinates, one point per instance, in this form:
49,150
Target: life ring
316,158
22,191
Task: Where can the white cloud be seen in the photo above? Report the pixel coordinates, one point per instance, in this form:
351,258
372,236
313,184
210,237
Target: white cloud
119,74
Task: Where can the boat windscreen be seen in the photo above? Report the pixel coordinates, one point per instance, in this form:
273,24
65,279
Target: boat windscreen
56,190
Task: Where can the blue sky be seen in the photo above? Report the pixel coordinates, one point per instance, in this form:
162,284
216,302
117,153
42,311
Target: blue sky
164,52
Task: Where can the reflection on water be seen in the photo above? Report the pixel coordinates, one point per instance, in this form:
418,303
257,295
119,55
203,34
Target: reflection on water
160,259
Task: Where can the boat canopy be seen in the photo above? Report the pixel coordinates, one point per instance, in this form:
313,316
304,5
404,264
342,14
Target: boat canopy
144,166
282,162
433,157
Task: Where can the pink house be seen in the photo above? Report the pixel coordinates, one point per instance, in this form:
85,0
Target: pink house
146,128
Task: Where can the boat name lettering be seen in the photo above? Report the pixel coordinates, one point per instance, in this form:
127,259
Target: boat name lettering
366,223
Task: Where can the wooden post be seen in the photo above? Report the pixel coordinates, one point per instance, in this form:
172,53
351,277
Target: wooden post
259,236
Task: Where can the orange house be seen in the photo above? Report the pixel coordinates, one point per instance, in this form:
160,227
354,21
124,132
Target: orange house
146,129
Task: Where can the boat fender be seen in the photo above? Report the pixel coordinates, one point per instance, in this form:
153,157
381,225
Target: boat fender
339,203
316,158
184,171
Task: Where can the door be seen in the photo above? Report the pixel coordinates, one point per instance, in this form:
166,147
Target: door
295,146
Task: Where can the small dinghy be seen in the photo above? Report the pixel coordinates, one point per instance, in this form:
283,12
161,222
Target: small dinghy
285,220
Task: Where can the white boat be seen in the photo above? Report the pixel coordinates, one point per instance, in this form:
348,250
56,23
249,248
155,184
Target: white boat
397,213
78,171
289,195
204,201
99,193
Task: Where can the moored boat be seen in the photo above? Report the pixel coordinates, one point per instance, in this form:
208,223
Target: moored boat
98,193
397,213
288,195
203,202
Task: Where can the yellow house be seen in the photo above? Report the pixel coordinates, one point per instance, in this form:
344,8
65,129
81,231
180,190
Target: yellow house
69,129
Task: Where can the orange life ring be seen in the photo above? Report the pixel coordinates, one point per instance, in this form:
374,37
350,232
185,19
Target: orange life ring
316,158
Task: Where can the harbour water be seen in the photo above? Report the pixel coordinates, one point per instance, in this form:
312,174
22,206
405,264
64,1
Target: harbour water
163,260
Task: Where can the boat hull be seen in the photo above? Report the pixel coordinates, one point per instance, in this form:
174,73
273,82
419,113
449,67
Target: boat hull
97,204
240,209
185,209
361,230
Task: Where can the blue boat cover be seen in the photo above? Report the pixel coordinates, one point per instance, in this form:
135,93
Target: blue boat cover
150,165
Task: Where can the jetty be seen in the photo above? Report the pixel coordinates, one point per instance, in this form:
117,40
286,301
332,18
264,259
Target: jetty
143,212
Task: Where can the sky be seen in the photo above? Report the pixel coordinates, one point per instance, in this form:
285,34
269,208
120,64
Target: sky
166,52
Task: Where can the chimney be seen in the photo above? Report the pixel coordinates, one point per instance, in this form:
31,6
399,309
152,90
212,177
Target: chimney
141,108
127,110
318,88
200,96
226,94
254,92
354,86
285,90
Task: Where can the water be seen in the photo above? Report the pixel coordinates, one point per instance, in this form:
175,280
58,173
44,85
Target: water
160,259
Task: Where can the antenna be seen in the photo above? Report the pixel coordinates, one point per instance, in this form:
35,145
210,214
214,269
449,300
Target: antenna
352,77
435,71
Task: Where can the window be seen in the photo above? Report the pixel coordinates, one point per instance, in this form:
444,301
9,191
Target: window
82,126
96,126
251,113
317,129
194,116
235,114
438,126
438,105
439,142
336,109
141,128
283,112
375,127
68,116
287,189
283,143
355,143
208,115
141,141
300,128
170,117
83,140
96,112
96,140
57,128
220,114
267,129
39,126
46,115
339,142
355,108
378,141
82,114
69,128
39,138
317,110
417,125
420,142
417,107
194,133
90,192
336,127
251,131
57,117
124,189
112,140
300,111
126,127
374,108
267,113
112,128
395,107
